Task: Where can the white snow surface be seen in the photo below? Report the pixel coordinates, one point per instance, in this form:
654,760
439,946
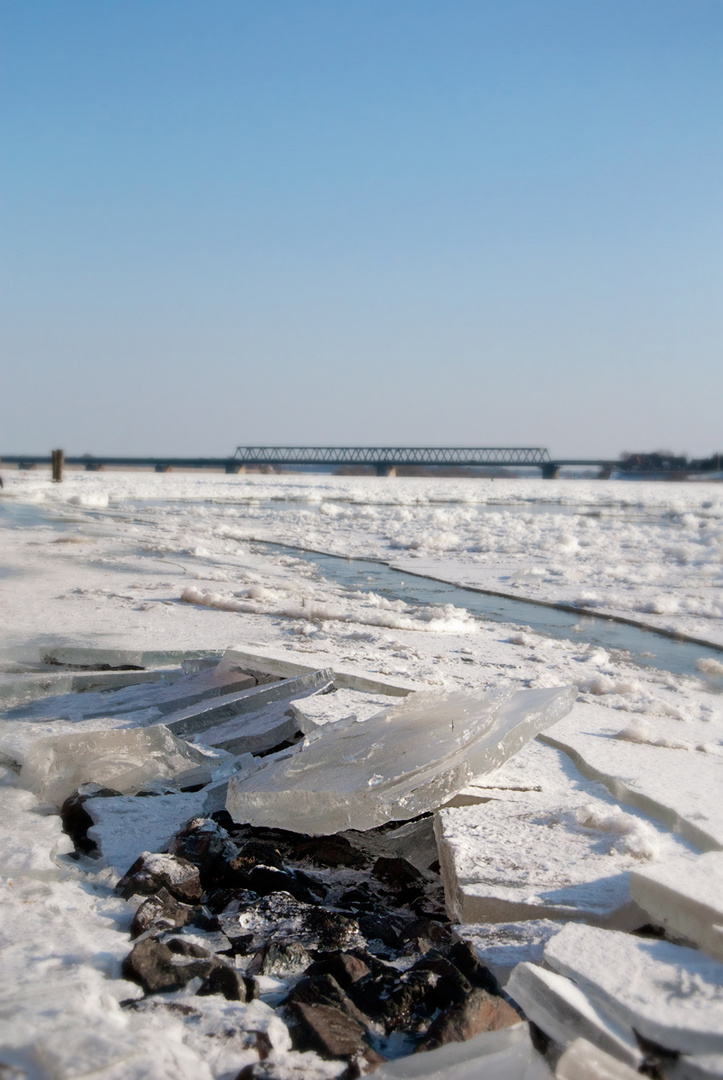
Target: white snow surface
103,560
670,994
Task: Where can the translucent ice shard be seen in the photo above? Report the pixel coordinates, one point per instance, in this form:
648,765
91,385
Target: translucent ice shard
492,1055
232,709
125,760
403,762
584,1061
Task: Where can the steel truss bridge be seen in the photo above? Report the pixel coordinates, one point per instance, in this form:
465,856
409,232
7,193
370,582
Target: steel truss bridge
383,459
387,458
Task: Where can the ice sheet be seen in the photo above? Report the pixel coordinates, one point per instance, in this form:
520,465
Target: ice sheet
502,946
233,707
496,1055
565,1013
584,1061
313,712
686,896
669,994
551,845
681,788
402,763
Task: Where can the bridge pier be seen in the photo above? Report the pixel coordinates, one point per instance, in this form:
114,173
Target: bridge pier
386,470
160,467
550,471
93,466
232,468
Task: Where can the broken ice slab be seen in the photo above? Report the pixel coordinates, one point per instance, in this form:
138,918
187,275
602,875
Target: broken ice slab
166,691
696,1067
252,732
56,766
681,788
553,846
563,1012
685,895
401,763
502,946
279,666
669,994
493,1055
234,707
344,704
124,825
583,1061
21,689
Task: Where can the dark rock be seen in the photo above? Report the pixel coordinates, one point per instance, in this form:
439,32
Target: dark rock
264,880
76,819
345,967
150,873
382,926
226,980
425,934
359,898
208,847
258,852
410,1002
181,946
333,1034
160,912
166,966
372,993
221,900
398,874
464,957
280,958
329,851
224,820
324,990
329,930
479,1012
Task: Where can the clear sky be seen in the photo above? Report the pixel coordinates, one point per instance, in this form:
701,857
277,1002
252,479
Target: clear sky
410,222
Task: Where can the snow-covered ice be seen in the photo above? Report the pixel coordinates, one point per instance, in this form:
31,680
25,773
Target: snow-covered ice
686,896
680,785
564,851
670,994
100,575
564,1012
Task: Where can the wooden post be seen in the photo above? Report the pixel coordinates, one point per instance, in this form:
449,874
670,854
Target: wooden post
58,457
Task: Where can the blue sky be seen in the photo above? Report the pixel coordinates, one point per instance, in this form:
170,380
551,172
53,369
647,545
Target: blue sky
389,222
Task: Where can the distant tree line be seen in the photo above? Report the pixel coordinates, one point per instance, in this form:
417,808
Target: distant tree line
666,462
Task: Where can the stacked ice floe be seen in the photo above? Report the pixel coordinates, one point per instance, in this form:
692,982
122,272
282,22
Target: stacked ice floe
311,830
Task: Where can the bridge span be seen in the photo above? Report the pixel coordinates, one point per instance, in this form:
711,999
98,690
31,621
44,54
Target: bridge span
386,459
383,459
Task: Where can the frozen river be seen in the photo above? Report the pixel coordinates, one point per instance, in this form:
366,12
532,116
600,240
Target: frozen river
615,589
